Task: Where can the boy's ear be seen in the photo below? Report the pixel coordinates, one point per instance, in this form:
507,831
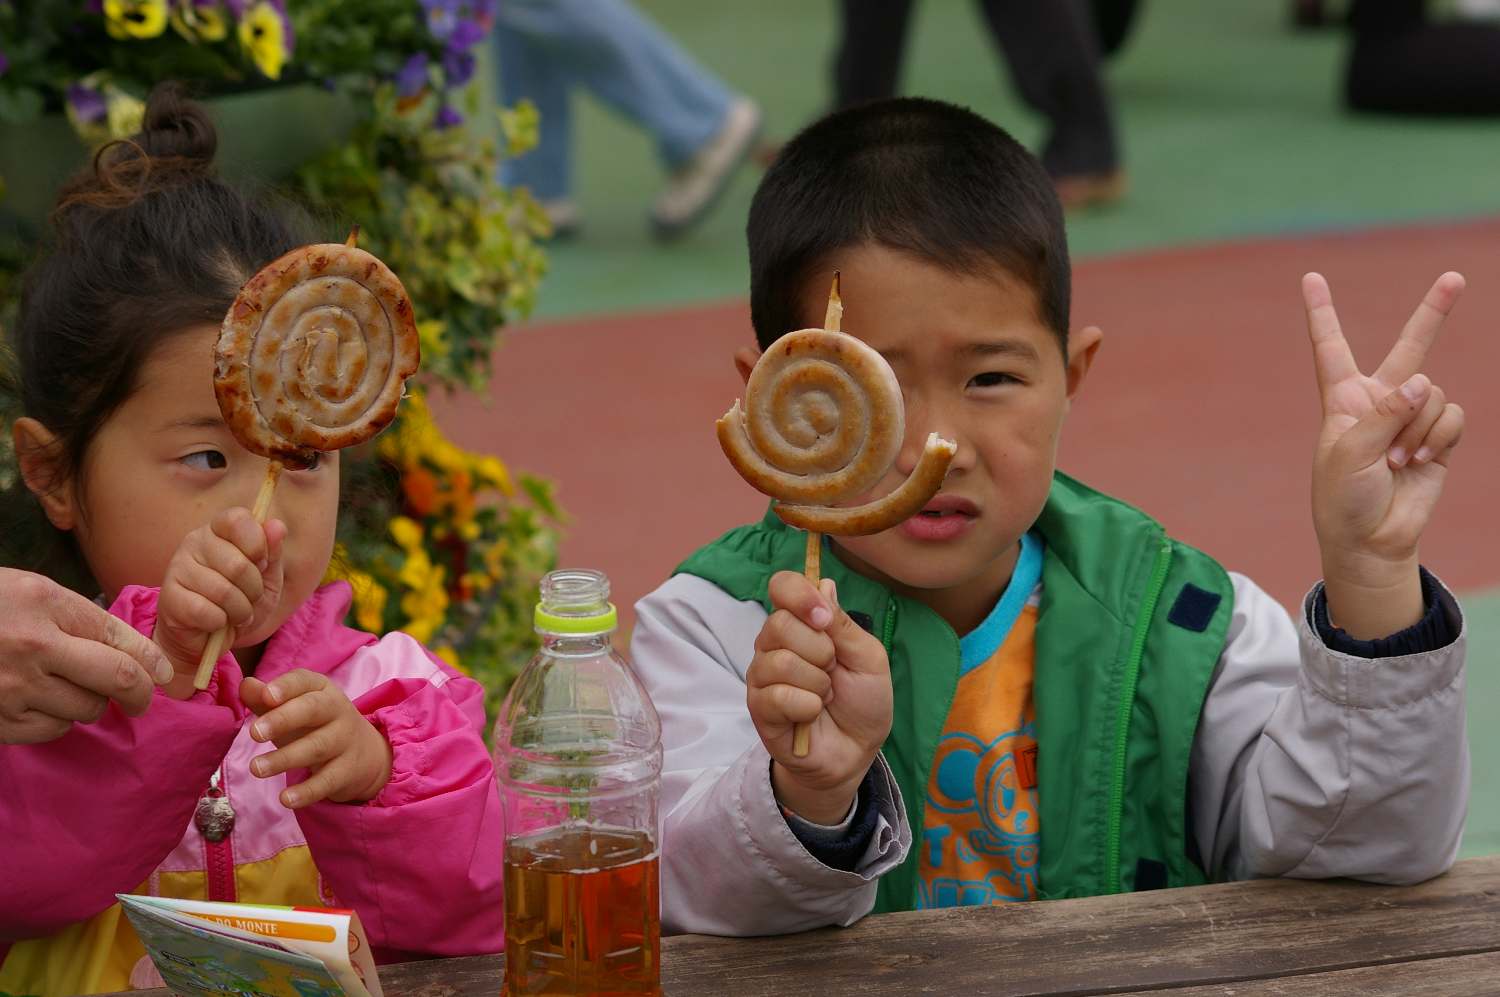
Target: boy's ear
744,361
41,463
1083,346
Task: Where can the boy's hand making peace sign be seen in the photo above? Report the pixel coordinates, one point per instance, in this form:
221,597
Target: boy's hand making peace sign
1382,457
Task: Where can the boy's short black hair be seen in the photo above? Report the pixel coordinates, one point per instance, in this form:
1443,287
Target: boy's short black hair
920,176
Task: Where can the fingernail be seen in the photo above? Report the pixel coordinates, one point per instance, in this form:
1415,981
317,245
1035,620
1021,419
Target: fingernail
273,694
833,591
821,617
1397,455
164,671
259,731
263,563
1424,454
1412,389
291,797
258,767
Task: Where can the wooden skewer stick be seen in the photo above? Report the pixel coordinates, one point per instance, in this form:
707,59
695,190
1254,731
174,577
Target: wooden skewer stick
215,646
812,565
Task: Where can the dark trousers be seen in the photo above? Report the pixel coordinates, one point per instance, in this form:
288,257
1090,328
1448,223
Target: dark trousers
1053,53
1400,63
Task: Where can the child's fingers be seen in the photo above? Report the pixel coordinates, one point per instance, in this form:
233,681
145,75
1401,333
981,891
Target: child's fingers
297,682
189,609
310,750
857,649
782,630
1410,438
238,527
782,667
275,535
1443,437
795,594
294,718
317,787
784,705
253,696
1368,439
231,562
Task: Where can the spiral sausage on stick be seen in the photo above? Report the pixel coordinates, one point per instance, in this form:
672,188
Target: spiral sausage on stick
822,422
312,356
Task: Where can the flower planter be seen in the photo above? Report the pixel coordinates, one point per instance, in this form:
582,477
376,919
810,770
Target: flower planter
263,135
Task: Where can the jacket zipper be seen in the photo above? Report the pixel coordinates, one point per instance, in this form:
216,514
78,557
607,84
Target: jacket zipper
218,860
1122,718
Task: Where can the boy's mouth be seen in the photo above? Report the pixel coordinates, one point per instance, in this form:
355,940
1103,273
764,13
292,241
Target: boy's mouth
943,518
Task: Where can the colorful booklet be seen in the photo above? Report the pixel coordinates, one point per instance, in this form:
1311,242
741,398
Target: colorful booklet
221,948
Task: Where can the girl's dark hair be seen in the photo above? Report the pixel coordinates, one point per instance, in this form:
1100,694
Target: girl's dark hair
145,243
921,176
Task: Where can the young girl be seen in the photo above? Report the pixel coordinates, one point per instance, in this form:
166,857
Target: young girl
353,766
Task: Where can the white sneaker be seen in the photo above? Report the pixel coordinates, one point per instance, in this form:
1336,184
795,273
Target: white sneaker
697,184
565,217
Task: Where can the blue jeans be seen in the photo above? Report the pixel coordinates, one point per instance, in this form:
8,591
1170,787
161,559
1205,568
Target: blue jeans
545,48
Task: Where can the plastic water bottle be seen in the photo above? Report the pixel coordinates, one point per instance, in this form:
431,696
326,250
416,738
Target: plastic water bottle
578,759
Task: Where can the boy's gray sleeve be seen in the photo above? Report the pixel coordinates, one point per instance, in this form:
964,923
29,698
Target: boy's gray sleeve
1310,763
730,865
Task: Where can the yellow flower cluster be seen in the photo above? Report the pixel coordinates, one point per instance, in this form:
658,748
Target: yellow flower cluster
440,479
262,30
425,602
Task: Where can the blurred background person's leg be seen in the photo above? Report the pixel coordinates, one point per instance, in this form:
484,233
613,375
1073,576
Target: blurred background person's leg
702,130
1053,52
1054,58
872,40
1400,62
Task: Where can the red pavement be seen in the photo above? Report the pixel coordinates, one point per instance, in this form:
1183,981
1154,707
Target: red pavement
1202,408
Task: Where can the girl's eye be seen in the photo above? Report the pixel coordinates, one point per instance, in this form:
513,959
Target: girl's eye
991,379
206,460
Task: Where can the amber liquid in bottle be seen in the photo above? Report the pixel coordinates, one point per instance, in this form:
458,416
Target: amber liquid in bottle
582,913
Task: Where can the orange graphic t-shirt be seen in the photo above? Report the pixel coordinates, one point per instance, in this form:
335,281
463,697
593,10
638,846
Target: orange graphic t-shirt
981,831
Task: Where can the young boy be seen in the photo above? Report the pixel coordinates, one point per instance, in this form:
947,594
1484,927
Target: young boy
1029,690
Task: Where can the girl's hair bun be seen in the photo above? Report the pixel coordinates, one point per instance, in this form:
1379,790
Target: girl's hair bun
175,146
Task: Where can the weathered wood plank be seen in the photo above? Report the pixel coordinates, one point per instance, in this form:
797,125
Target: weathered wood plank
1469,975
1235,938
1239,931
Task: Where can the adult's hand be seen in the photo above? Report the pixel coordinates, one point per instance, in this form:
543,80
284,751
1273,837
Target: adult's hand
63,659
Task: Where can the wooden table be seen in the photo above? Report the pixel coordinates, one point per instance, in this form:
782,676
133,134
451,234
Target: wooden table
1267,937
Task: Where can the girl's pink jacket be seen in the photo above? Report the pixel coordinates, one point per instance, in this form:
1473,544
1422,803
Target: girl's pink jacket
109,807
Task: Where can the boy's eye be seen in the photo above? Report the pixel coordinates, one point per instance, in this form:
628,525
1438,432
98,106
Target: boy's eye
314,463
206,460
991,379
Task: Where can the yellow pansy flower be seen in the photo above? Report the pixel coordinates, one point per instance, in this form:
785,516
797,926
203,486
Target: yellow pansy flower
135,18
199,24
264,37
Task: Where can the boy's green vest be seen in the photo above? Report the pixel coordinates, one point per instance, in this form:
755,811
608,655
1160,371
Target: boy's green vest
1129,632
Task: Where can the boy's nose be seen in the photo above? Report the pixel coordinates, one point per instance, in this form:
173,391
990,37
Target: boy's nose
922,421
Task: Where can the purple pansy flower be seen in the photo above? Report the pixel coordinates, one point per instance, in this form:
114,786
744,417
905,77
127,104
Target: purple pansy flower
458,68
447,117
87,104
442,17
412,76
466,34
